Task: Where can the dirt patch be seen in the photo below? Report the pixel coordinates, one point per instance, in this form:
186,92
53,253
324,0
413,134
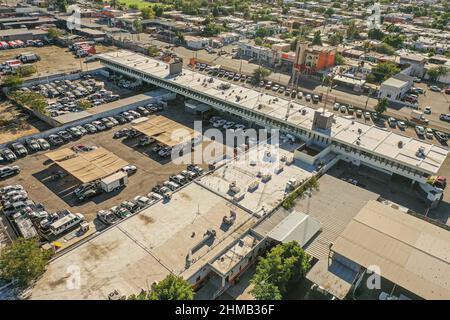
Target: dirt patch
146,219
185,196
16,123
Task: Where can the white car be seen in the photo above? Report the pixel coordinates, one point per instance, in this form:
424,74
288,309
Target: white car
7,189
343,109
299,94
336,106
308,97
219,123
427,110
429,133
228,125
420,130
401,125
142,201
367,115
43,143
130,169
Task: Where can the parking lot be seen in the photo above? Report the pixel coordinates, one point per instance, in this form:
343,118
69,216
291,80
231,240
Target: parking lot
55,195
68,96
55,59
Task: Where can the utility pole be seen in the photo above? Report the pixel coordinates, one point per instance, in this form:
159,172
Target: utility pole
365,107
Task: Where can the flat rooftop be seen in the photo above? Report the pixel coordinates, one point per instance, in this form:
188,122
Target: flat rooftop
243,172
410,251
145,248
276,107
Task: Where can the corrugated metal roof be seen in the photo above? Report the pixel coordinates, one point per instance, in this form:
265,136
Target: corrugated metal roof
334,206
297,227
410,252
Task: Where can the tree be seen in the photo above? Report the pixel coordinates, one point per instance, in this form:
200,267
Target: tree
260,74
383,71
12,81
61,5
339,59
352,30
26,71
152,51
266,291
335,39
113,3
375,34
137,25
147,13
172,288
54,33
394,40
23,261
317,40
159,10
381,106
84,104
284,264
329,12
435,73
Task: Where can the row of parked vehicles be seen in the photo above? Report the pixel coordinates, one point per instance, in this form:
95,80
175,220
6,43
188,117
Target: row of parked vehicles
268,85
69,93
30,219
163,191
18,150
20,44
175,182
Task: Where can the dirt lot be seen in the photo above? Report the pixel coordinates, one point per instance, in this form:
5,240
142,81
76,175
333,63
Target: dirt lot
57,195
14,123
55,59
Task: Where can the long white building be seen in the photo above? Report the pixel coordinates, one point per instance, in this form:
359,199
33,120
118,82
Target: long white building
352,141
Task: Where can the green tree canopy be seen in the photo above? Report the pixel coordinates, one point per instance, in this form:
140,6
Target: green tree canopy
381,106
172,288
284,264
375,34
383,71
54,33
12,81
147,13
317,40
435,72
260,74
23,261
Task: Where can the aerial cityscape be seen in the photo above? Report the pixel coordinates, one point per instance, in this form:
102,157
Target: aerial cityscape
224,150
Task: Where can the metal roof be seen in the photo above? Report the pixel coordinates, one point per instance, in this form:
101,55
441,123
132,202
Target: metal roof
87,166
297,227
409,251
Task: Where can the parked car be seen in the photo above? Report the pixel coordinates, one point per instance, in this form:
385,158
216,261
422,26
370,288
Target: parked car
445,117
33,145
401,125
65,135
90,128
19,149
8,155
427,110
441,137
55,140
435,88
420,130
129,169
429,133
8,171
121,133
